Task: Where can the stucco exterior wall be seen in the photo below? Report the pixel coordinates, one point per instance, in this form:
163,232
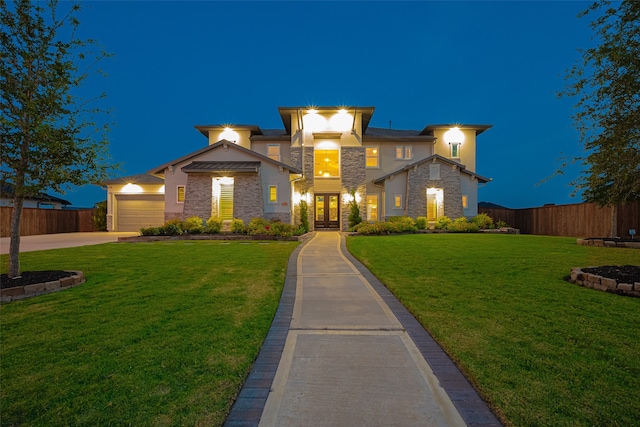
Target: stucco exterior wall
467,148
281,209
285,149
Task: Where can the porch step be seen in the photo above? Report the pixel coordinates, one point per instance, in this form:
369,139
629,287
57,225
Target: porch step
226,225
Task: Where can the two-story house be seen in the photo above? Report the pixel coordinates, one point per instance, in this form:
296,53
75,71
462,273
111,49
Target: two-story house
324,155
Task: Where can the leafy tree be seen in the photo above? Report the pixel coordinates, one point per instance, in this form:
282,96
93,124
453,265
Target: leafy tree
49,135
354,217
607,85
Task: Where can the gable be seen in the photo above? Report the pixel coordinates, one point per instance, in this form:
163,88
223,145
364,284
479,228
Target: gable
433,159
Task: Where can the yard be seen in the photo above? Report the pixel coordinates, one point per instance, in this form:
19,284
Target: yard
541,350
160,334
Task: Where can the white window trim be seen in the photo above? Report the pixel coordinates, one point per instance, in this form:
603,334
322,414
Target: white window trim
401,148
458,149
377,154
279,151
403,152
178,193
395,196
269,195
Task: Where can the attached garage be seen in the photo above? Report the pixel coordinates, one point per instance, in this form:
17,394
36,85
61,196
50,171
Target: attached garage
134,211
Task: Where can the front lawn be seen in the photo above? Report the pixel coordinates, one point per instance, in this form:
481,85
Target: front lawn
160,334
544,352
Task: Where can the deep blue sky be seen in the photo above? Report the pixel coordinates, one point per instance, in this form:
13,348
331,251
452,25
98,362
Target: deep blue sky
179,64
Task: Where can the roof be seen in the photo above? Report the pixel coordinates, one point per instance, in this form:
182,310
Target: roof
428,130
204,129
160,169
398,135
142,178
222,167
287,112
433,158
7,191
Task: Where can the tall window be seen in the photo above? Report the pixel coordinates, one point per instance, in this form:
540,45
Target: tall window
373,157
397,201
465,202
273,151
455,150
273,194
326,163
372,208
404,152
180,193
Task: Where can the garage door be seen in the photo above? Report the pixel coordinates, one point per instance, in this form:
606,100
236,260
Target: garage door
134,211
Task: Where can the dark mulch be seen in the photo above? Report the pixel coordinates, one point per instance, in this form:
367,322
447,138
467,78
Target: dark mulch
31,277
622,273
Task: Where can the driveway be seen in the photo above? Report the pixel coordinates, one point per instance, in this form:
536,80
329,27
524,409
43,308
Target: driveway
63,240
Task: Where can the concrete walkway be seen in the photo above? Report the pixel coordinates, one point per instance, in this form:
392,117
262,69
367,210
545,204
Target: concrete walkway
342,351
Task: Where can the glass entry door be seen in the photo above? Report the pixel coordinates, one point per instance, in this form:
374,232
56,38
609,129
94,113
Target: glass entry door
327,211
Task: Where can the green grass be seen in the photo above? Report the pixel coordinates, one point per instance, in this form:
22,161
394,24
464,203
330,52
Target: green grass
160,334
542,351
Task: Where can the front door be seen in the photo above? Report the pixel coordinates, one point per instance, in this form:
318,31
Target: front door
327,211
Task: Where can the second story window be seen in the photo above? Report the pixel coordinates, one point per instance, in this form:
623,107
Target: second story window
273,151
326,163
455,150
180,192
404,152
373,157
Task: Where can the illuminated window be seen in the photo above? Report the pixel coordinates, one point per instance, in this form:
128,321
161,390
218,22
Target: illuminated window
273,194
455,150
180,193
373,156
397,201
404,152
372,208
326,163
465,202
273,152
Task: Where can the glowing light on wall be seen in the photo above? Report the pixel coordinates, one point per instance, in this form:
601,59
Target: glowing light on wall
132,188
454,135
225,180
230,135
341,122
161,189
437,192
347,197
314,122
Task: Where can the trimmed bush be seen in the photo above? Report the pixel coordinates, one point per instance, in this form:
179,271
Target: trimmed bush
401,225
214,225
483,221
172,227
421,223
304,216
354,215
193,225
237,226
462,225
443,223
258,226
150,231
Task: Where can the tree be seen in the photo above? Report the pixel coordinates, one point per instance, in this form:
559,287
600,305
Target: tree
607,85
49,134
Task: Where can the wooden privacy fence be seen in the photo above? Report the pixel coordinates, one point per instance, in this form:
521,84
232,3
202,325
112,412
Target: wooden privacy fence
47,221
575,220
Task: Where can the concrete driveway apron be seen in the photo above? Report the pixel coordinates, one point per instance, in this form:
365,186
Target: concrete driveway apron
347,360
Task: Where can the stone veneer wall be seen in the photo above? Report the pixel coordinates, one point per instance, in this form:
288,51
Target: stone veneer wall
354,177
197,200
247,197
450,183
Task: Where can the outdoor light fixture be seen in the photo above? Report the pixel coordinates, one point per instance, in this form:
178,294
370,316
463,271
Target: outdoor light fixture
230,135
132,188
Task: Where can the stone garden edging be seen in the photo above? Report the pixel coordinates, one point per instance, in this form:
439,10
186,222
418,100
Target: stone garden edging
603,284
610,243
28,291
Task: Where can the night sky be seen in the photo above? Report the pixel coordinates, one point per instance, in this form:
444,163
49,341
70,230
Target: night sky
181,64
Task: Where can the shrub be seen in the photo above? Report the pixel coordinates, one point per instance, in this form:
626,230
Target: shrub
150,231
483,221
462,225
443,223
501,224
214,225
258,226
304,216
172,227
193,225
396,226
100,216
421,223
281,229
354,216
237,226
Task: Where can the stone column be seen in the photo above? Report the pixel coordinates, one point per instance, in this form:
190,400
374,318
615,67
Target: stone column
197,199
354,177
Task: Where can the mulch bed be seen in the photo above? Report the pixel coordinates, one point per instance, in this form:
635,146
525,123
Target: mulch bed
621,273
32,277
